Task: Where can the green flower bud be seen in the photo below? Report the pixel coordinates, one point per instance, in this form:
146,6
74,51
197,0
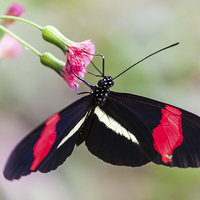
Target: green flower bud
52,62
52,35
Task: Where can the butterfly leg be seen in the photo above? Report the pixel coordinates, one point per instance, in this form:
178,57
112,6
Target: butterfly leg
80,92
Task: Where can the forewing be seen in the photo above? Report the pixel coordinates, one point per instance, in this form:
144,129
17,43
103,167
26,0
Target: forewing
173,133
47,147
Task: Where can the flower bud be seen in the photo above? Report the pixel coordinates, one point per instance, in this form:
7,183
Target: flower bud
52,62
52,35
15,10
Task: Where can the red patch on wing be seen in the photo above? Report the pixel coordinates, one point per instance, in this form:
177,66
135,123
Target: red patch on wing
46,140
168,135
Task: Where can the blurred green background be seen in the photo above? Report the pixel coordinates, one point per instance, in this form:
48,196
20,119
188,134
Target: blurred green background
124,31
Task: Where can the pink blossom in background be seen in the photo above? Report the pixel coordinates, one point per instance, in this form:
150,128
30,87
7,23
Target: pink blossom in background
9,47
78,57
14,10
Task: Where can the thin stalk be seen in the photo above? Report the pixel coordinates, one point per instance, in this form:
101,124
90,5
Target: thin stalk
20,40
22,20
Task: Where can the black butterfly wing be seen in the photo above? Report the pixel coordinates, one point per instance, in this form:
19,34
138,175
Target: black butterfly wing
128,130
112,135
112,147
48,146
152,131
188,153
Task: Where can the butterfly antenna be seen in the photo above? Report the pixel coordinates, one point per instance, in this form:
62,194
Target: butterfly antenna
146,58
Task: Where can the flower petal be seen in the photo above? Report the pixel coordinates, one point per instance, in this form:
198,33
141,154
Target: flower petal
9,47
78,57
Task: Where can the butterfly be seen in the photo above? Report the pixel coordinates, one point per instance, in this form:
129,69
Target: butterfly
119,128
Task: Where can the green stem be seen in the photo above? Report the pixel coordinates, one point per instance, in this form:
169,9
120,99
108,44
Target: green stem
20,40
22,20
1,34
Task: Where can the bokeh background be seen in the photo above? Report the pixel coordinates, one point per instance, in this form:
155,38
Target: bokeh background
124,31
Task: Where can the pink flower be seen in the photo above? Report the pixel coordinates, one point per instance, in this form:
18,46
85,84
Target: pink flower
13,10
9,47
78,57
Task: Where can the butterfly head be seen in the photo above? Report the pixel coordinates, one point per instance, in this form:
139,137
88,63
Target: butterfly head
101,90
106,82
